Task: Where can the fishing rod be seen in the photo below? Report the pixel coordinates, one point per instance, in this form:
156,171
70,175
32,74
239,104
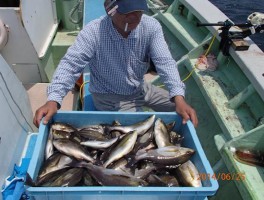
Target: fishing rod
254,25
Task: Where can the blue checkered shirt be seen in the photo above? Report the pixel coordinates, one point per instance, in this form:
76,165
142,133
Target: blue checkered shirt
117,65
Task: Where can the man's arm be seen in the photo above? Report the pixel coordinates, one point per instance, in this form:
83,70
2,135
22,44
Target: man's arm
66,74
168,72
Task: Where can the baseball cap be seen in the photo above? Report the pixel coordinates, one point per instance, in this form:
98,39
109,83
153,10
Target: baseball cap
127,6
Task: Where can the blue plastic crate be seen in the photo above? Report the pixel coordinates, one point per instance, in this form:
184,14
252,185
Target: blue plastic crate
79,119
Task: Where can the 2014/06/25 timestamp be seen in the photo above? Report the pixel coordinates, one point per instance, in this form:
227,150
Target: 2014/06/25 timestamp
223,176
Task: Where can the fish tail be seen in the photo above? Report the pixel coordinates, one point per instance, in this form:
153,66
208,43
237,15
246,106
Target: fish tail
29,181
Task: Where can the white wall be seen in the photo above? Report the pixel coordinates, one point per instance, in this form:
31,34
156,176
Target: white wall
15,119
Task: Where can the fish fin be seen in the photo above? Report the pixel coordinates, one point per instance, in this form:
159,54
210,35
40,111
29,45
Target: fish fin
131,161
98,162
79,164
107,129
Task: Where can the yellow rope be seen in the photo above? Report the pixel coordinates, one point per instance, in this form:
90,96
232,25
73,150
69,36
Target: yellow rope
195,66
188,76
206,53
81,97
210,45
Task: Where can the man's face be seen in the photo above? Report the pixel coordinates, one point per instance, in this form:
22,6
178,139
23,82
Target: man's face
132,19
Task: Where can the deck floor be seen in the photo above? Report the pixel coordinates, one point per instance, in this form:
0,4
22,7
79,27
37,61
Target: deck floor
38,97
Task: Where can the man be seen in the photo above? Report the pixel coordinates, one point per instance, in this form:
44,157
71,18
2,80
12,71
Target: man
117,49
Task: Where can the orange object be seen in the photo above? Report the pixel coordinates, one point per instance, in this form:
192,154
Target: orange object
79,82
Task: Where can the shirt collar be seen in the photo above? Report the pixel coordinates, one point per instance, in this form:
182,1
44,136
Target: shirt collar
115,35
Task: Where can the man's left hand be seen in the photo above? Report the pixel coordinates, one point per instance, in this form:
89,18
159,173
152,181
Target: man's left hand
185,110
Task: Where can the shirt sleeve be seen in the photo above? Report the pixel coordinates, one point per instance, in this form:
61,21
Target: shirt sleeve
165,65
71,66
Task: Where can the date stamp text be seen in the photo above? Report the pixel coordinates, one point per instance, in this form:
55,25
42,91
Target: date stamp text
222,176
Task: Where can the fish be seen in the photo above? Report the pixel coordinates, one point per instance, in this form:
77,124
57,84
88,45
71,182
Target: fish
116,133
248,156
123,147
188,174
145,172
175,138
57,134
163,180
71,177
161,134
59,126
121,166
170,126
155,180
56,162
75,137
111,177
169,180
100,144
49,178
140,127
87,178
170,155
144,140
93,134
70,148
49,149
97,128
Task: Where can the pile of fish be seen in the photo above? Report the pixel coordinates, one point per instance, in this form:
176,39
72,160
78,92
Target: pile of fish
148,153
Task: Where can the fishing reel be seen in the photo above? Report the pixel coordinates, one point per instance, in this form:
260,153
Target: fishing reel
254,24
256,18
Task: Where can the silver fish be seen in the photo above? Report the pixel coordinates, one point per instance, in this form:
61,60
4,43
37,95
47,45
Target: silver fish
55,162
116,133
189,175
145,172
161,134
69,178
75,137
61,134
63,127
49,149
155,180
169,180
143,140
111,177
49,178
87,179
92,134
72,149
176,138
121,166
140,127
100,144
163,180
170,126
170,155
124,147
97,128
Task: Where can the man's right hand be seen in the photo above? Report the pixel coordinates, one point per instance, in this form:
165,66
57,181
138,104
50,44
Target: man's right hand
46,111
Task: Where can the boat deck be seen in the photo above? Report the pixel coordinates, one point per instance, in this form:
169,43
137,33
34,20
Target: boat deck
37,96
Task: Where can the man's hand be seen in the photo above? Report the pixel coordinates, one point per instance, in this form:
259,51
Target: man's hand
185,110
47,111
